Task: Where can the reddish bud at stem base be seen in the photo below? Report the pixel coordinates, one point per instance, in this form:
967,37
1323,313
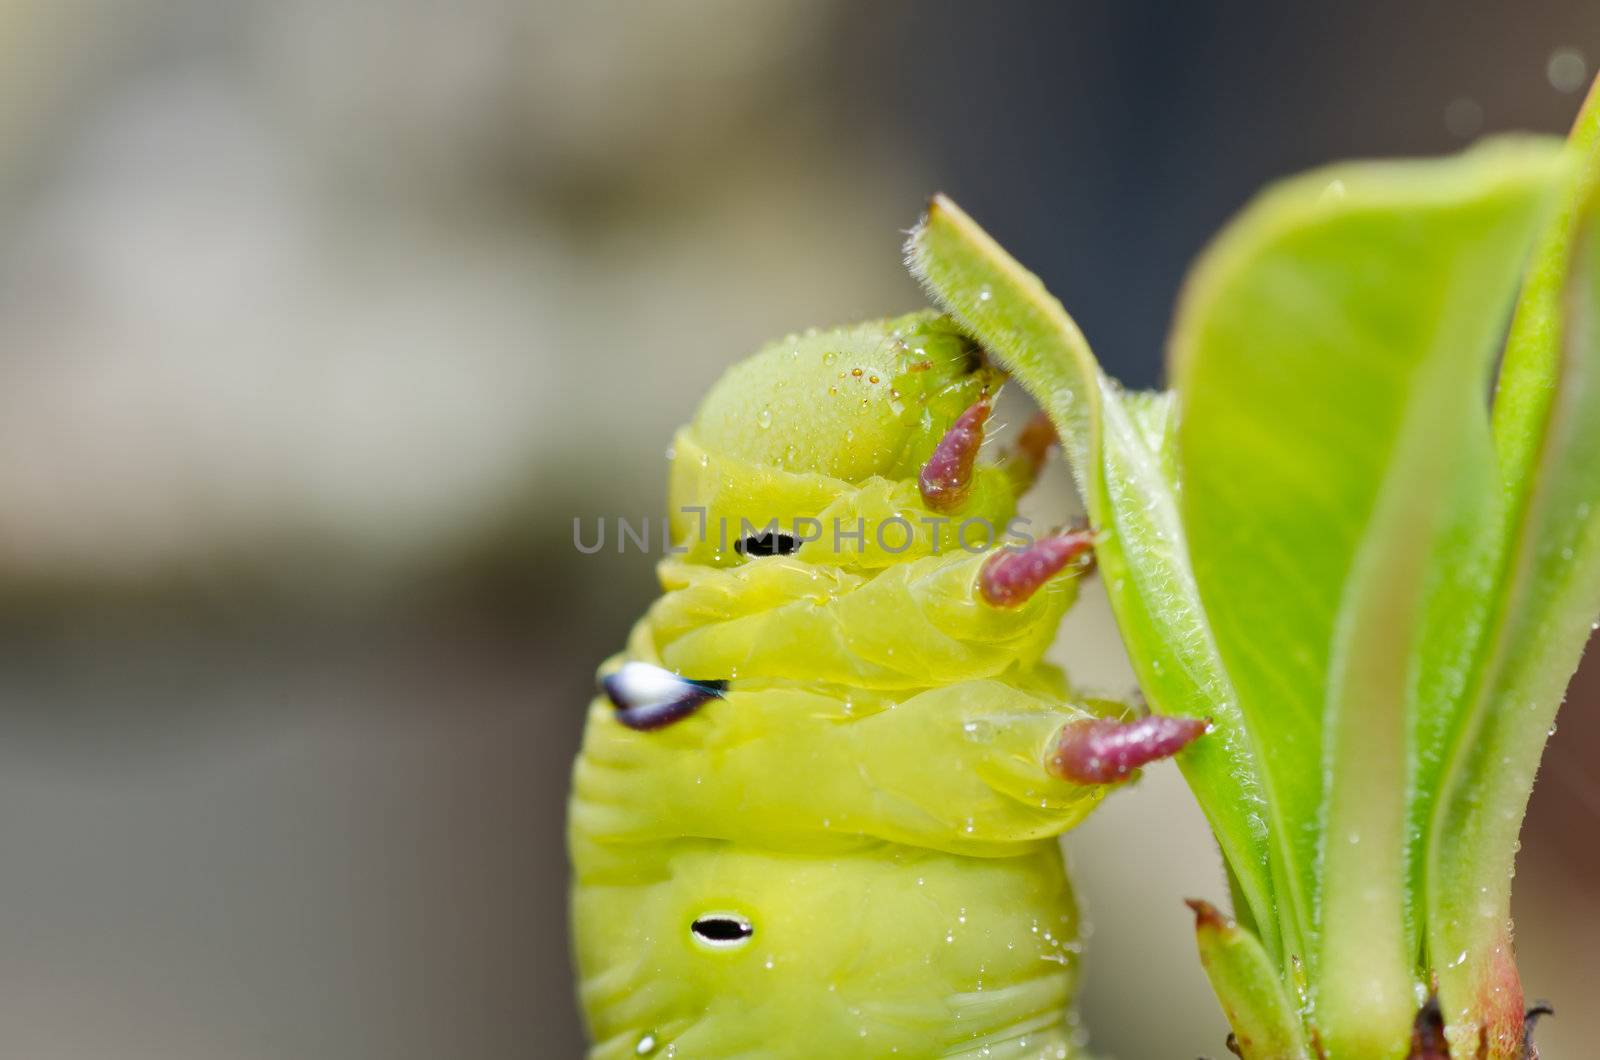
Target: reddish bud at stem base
1037,436
1427,1034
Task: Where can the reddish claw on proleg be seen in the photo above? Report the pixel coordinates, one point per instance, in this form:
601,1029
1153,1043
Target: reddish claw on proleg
1009,578
1103,751
947,475
1033,444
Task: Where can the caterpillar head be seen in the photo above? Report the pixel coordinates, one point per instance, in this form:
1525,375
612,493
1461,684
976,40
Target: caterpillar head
838,426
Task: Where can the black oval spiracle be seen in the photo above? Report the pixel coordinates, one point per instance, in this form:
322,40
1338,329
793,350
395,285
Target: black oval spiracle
649,697
767,543
722,930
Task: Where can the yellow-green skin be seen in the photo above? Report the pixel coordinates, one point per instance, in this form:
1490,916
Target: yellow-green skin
870,794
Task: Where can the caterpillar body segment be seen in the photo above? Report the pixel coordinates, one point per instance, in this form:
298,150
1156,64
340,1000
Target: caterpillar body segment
841,838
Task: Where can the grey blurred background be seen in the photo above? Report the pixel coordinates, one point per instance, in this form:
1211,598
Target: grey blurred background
324,319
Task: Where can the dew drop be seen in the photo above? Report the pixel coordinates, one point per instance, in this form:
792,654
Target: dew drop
1566,70
646,1046
764,417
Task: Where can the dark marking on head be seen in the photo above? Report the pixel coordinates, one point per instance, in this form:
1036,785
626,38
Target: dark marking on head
767,543
648,697
975,354
722,930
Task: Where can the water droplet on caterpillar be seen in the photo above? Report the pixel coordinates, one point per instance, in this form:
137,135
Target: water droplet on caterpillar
764,417
646,1046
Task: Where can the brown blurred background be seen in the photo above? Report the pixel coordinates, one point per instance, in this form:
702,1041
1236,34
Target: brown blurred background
324,319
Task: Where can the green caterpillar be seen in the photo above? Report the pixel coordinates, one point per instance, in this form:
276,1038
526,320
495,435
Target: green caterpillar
816,808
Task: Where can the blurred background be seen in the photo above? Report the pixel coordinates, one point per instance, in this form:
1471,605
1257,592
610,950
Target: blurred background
324,319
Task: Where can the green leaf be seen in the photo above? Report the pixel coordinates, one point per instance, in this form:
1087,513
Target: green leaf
1546,434
1129,495
1265,1024
1329,356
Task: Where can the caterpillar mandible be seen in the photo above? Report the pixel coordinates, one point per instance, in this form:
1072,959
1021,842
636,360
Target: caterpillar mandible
816,807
